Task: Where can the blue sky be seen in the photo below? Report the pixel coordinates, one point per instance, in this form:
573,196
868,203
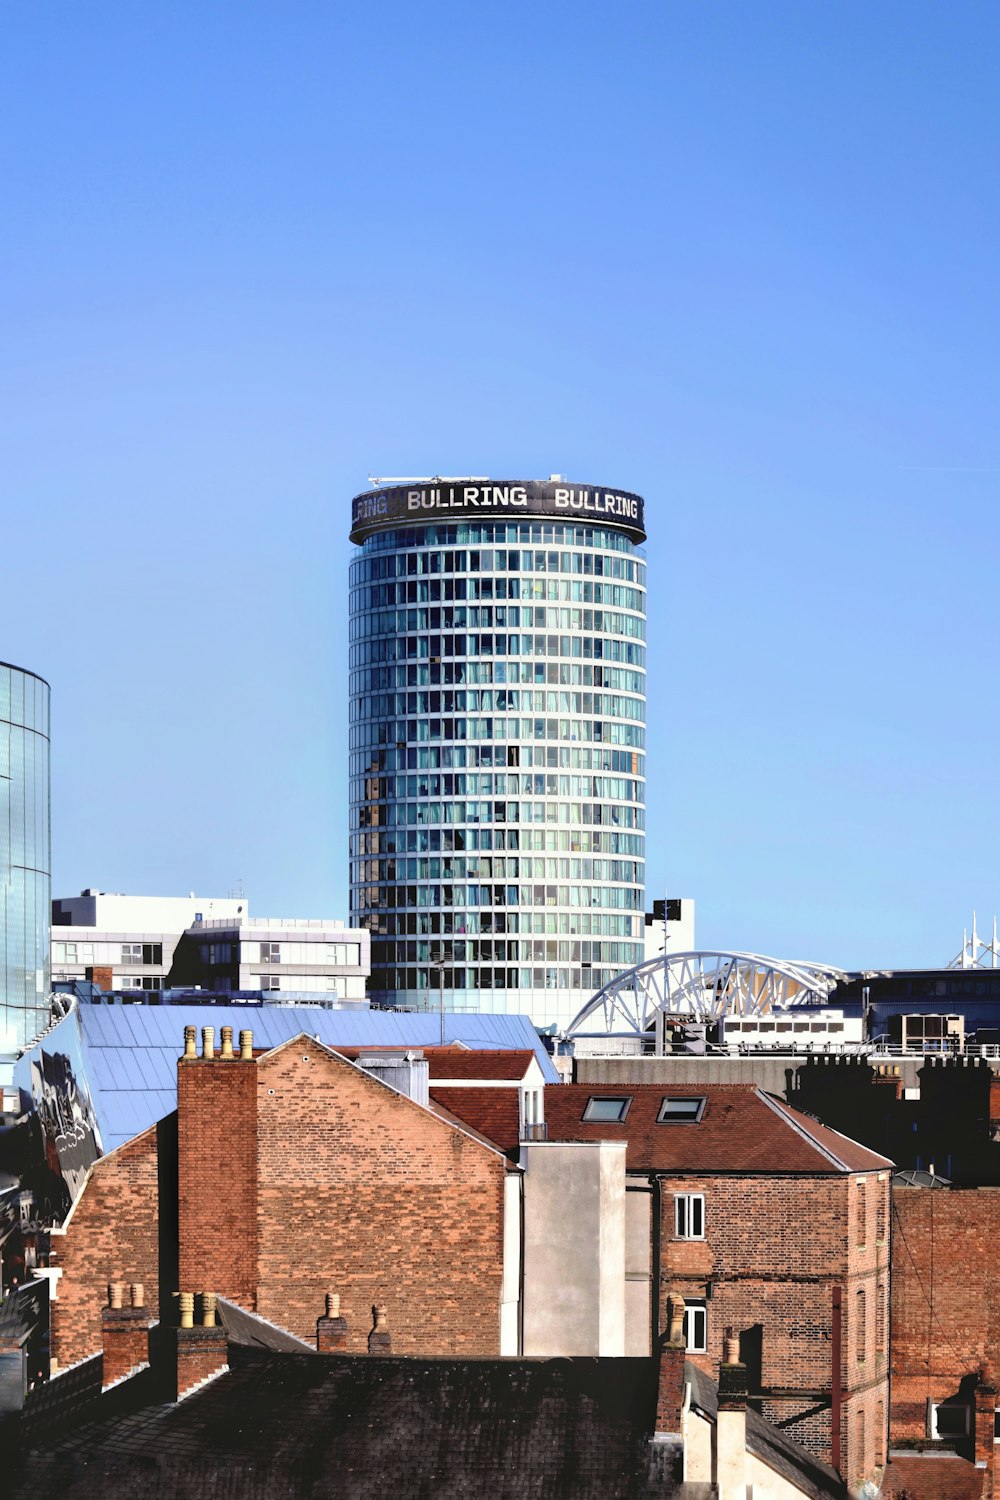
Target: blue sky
741,258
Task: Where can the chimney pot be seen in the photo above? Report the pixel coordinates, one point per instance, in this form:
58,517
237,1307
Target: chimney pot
189,1036
208,1041
138,1294
331,1329
227,1041
246,1046
116,1293
380,1339
208,1305
186,1300
675,1314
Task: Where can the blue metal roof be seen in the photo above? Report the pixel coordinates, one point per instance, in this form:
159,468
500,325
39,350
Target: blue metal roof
130,1052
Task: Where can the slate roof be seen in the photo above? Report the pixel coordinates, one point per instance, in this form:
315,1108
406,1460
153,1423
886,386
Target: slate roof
913,1177
742,1129
772,1446
130,1052
355,1428
243,1327
492,1113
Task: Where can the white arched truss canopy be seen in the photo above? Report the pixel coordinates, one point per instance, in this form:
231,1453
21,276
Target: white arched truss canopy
702,986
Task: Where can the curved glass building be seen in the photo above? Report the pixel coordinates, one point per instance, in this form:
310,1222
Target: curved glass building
25,875
497,742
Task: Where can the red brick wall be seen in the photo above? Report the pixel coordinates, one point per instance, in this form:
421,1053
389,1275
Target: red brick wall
945,1298
366,1194
217,1177
774,1249
111,1235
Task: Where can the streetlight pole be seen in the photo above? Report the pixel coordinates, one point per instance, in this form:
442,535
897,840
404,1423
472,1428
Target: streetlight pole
439,958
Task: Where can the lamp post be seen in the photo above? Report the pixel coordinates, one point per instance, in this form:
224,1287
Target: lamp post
440,957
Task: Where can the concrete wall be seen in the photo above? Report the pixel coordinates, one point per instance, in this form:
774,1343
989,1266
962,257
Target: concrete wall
638,1269
574,1248
776,1075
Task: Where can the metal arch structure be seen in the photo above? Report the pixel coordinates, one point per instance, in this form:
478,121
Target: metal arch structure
702,986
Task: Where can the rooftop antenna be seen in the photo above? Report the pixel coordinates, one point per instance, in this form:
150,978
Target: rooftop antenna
975,949
427,479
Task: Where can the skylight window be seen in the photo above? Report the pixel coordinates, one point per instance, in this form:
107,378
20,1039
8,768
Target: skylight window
607,1109
681,1109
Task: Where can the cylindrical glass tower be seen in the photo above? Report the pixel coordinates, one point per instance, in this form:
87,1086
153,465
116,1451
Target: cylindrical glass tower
25,874
498,742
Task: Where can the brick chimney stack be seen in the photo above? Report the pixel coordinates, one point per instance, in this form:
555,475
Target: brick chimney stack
217,1167
331,1330
125,1333
199,1352
380,1339
673,1351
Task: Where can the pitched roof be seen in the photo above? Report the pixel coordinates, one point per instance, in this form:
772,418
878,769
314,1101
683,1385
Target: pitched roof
129,1052
338,1427
810,1476
494,1113
741,1129
490,1064
499,1067
249,1328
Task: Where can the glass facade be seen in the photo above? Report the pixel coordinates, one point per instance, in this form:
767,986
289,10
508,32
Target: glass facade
25,883
497,759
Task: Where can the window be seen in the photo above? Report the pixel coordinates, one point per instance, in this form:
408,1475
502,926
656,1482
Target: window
996,1424
607,1110
270,982
949,1419
142,953
860,1326
681,1109
343,954
689,1216
862,1220
696,1327
270,953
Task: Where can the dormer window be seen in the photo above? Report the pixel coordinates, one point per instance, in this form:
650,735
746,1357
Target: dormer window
681,1109
607,1109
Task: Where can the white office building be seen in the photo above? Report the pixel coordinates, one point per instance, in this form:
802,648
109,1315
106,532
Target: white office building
153,943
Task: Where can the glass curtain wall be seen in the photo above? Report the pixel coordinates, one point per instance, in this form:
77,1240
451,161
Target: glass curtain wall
25,874
498,763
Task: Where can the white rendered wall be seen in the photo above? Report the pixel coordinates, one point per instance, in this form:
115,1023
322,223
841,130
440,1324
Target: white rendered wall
574,1248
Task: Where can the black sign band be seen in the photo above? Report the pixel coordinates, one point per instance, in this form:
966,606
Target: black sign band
459,499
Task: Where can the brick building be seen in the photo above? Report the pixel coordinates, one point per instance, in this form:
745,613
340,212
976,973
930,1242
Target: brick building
758,1216
946,1337
283,1174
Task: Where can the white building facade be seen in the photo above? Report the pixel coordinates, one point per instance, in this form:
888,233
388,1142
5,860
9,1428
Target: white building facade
152,943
